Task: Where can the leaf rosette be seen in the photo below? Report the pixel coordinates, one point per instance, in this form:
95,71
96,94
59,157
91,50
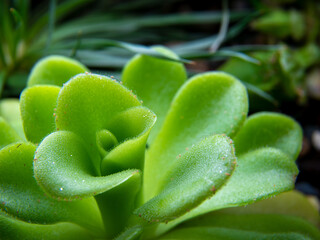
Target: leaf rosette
96,162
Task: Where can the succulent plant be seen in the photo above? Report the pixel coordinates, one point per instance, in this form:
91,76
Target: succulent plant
155,156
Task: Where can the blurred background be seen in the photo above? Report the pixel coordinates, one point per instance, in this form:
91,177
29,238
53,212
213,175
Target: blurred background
272,46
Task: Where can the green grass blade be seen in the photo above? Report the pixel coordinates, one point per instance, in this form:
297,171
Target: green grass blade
261,93
52,13
63,9
133,48
205,43
223,28
252,47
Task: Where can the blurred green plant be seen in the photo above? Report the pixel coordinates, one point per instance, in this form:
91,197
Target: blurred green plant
288,69
98,37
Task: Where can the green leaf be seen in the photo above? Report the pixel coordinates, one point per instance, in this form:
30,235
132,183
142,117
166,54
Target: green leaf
116,206
10,111
266,146
260,174
291,203
217,233
130,233
264,75
88,104
208,104
155,81
37,109
277,215
196,176
12,228
131,128
21,196
63,168
54,70
269,130
281,24
7,134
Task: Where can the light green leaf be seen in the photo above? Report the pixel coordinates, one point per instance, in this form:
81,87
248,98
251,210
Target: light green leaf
195,176
55,70
37,109
21,197
131,128
12,228
88,105
291,203
7,134
116,206
260,174
208,104
130,233
217,233
263,76
269,130
265,163
10,111
155,81
255,226
63,168
268,216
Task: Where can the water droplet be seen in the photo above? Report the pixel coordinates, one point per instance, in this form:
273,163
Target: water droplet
53,162
61,188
